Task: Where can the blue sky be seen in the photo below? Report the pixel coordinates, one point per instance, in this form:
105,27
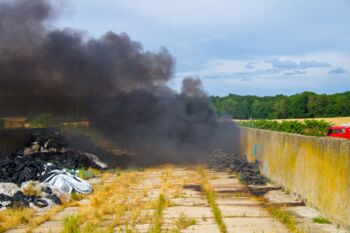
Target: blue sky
260,47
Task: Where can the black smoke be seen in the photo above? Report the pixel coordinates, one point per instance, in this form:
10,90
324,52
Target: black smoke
111,80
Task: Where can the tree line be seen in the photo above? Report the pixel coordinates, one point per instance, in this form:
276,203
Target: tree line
303,105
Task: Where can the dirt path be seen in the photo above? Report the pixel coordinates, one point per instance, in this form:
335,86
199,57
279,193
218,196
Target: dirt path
167,199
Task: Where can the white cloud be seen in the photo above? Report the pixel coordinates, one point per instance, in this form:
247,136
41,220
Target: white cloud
294,73
313,65
309,64
285,64
338,70
233,40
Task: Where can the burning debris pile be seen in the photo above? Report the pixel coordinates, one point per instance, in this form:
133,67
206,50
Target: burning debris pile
111,81
48,168
249,173
55,148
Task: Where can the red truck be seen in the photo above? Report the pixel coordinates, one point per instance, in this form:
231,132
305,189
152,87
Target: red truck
342,131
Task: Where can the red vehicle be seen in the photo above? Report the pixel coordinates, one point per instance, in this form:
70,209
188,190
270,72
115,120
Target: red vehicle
342,131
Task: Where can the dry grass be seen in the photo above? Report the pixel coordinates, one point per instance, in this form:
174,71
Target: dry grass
279,213
183,222
71,224
117,205
121,203
14,217
210,194
283,216
36,221
104,201
31,189
157,222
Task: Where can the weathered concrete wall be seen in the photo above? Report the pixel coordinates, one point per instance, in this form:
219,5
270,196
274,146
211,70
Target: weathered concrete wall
316,168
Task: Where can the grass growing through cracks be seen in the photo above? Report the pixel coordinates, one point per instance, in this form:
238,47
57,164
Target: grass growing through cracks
183,222
157,221
283,216
321,220
210,194
108,200
71,224
13,217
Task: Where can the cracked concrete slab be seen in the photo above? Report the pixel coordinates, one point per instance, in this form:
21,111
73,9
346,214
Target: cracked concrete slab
212,228
241,211
254,225
189,211
189,201
66,212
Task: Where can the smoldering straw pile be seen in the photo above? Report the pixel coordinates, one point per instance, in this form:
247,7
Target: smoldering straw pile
111,80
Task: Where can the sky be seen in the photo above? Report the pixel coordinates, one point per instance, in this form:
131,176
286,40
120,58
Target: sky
246,47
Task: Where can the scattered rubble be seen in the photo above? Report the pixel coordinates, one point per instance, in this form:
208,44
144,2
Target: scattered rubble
44,172
249,173
21,200
9,189
56,149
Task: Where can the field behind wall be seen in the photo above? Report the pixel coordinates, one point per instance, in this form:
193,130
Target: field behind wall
333,120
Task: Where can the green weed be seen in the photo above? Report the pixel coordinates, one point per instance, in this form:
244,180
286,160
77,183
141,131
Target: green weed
210,194
283,216
156,226
71,224
321,220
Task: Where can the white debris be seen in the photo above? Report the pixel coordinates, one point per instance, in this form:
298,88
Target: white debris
9,189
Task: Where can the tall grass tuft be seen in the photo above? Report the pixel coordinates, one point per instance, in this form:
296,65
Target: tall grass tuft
71,224
211,196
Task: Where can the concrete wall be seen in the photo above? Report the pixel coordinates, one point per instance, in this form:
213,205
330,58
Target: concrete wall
316,168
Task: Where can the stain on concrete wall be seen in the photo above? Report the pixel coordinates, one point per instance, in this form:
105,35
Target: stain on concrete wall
316,168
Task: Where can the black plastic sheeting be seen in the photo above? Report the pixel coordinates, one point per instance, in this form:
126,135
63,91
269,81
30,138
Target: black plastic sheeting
20,200
18,169
249,173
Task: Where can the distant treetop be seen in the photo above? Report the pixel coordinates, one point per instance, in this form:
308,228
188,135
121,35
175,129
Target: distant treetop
303,105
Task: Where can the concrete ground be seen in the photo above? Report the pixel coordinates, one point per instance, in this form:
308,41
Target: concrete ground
173,199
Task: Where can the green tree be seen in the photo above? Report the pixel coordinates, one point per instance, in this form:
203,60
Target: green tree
303,105
280,108
317,105
242,110
261,109
298,105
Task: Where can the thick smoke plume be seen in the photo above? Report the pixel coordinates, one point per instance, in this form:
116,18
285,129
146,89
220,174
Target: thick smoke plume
111,81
